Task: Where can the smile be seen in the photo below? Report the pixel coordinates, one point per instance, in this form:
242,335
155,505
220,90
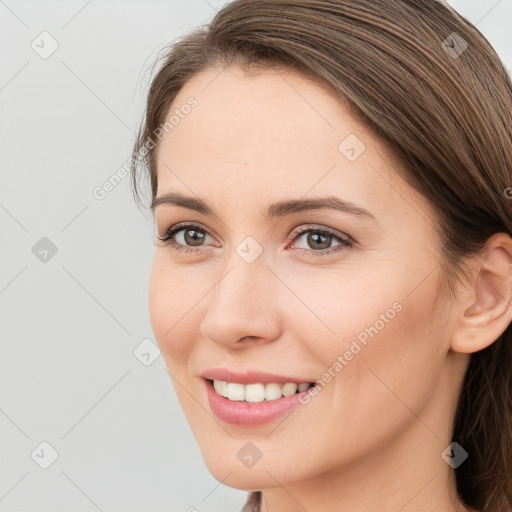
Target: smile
255,403
258,392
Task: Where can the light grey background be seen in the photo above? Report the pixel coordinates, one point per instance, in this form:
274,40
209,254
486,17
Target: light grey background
69,325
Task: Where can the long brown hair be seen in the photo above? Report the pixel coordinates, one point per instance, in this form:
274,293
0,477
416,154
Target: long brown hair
429,84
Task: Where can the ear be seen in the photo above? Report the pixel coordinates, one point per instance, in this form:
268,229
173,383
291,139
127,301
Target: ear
486,308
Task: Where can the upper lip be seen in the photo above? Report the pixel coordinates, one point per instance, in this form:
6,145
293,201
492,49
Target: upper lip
249,377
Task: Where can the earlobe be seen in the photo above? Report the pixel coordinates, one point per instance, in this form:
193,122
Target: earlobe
489,309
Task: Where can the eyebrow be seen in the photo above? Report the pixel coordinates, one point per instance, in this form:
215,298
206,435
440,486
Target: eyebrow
279,209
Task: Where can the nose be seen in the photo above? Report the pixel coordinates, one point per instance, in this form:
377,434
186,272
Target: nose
243,306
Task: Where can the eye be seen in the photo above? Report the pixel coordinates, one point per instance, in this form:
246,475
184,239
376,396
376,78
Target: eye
189,238
179,236
321,238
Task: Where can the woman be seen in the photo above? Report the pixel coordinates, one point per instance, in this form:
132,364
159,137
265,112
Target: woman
331,285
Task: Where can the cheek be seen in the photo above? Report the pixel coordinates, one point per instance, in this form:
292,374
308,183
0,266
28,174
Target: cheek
351,308
393,345
384,311
173,309
374,322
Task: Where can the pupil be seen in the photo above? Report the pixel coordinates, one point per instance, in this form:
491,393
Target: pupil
190,238
315,238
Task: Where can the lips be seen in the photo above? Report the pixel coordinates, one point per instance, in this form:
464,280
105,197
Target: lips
251,377
245,413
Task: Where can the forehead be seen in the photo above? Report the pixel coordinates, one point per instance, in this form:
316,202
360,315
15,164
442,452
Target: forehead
274,134
281,111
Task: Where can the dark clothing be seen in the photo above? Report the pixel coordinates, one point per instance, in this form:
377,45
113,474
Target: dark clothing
253,502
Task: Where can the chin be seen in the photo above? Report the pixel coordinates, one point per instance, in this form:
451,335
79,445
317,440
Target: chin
244,479
264,473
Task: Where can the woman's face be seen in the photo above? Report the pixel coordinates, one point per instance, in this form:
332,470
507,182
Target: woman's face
262,291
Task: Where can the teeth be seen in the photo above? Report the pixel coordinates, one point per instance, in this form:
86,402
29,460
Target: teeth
221,387
235,391
273,391
255,393
289,389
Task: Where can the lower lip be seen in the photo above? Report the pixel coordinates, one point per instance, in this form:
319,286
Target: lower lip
249,414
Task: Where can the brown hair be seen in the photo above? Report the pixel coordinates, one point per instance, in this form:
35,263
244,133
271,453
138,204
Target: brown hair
429,84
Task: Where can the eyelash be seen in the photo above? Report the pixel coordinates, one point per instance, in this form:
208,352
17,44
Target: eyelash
168,239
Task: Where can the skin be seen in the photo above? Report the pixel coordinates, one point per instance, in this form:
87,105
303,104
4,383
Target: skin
372,438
